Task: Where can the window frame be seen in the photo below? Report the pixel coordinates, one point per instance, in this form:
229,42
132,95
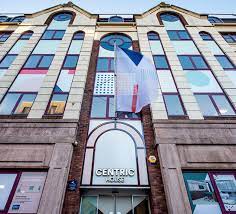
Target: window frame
185,115
22,93
110,59
210,95
64,61
167,62
53,35
120,115
41,58
2,33
179,36
193,63
153,36
205,34
233,65
5,58
230,35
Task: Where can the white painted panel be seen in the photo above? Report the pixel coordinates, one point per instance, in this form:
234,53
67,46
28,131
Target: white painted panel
202,82
166,81
16,49
87,171
104,84
214,48
231,75
135,123
142,167
177,25
185,47
27,82
75,47
46,47
156,48
64,81
115,150
58,25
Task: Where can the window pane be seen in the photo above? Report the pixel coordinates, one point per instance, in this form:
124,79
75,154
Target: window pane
186,62
32,62
161,62
199,62
26,36
111,107
9,103
173,35
205,36
173,105
153,36
4,36
184,35
46,62
71,61
25,104
206,105
224,62
59,35
48,34
6,184
140,204
124,204
201,193
89,205
228,38
99,107
223,105
57,104
78,36
226,185
7,61
102,64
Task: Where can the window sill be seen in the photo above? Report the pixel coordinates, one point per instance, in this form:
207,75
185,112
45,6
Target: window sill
219,117
52,116
180,117
14,116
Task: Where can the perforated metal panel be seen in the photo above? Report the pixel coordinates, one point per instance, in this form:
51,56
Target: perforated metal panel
104,84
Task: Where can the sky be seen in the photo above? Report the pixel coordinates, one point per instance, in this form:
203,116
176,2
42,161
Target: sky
119,6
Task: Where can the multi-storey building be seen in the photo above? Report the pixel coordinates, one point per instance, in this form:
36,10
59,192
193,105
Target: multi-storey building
63,151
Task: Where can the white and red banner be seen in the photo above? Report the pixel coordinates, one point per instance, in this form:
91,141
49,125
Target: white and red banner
136,80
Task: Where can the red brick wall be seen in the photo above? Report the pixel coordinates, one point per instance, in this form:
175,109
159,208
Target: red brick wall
72,199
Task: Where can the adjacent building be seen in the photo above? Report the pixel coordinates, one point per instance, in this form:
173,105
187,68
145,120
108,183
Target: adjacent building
63,151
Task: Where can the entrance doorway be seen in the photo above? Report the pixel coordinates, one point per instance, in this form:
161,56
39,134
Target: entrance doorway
114,204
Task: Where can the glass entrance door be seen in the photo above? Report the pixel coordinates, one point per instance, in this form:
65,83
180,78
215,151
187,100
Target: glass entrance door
112,204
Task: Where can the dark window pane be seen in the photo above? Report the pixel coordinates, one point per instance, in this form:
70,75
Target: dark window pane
78,36
224,62
102,64
111,67
228,38
206,36
48,34
206,106
4,36
186,62
57,104
199,62
116,19
173,35
18,19
59,35
99,107
223,105
153,36
7,61
26,36
89,205
173,105
25,104
45,62
33,61
71,61
9,102
140,205
169,17
183,35
161,62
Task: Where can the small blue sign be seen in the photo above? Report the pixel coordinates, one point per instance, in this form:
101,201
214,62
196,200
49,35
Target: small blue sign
72,185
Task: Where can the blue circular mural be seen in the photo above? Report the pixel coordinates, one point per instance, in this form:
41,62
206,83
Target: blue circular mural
121,40
198,78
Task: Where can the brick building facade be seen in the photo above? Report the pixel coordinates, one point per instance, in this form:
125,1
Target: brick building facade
63,151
